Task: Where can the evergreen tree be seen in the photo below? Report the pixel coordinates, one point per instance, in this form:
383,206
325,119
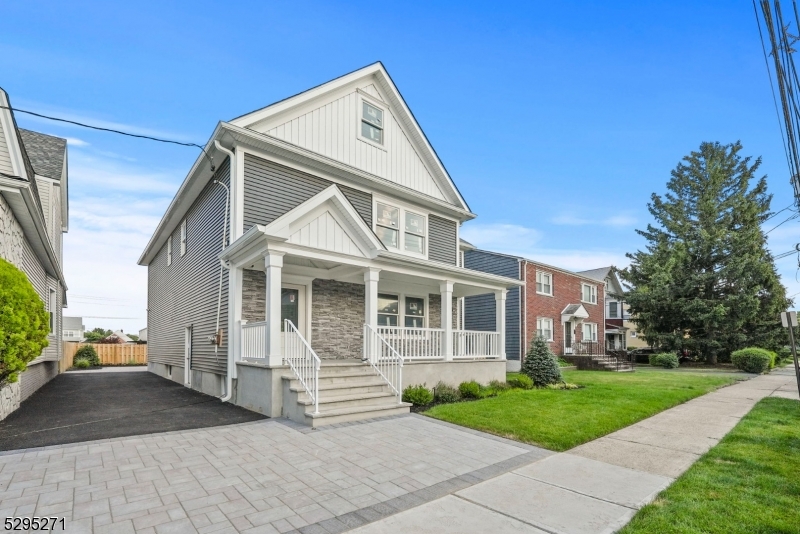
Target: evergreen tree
706,281
540,363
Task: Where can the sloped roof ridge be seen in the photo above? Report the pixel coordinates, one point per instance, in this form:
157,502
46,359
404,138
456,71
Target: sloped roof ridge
46,152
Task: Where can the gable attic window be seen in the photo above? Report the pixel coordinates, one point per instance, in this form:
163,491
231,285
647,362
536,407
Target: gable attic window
183,237
371,122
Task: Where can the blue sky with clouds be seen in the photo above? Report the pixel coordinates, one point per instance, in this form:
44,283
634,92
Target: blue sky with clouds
556,119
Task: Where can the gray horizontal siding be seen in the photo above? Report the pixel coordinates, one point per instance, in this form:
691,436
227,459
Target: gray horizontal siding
271,189
442,240
184,294
479,310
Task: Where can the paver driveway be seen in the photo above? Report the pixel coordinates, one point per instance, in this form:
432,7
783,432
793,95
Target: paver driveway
91,405
265,476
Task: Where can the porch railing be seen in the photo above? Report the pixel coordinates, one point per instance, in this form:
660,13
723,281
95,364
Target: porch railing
414,343
254,340
585,348
475,344
385,360
303,360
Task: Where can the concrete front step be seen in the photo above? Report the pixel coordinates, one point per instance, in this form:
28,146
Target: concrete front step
372,386
347,415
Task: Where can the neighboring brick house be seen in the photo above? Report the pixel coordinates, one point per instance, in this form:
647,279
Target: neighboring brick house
563,306
33,218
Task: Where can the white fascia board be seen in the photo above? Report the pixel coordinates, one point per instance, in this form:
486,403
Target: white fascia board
182,201
12,142
445,271
314,162
20,198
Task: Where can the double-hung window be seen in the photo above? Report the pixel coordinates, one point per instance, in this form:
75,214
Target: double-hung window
544,283
169,250
415,312
400,229
371,122
544,328
183,237
589,293
612,309
589,332
388,309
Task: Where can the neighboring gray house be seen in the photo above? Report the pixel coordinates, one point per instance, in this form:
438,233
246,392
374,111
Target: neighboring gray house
340,229
33,217
73,329
616,314
143,335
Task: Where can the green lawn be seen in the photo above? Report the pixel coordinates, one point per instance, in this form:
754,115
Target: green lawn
561,419
747,484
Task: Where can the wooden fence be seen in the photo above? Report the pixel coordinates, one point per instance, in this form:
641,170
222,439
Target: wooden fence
109,354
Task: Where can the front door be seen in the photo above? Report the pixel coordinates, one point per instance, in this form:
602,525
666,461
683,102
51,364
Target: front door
568,337
293,308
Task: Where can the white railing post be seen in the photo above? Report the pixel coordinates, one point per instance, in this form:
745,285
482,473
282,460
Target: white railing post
500,320
386,361
303,361
446,291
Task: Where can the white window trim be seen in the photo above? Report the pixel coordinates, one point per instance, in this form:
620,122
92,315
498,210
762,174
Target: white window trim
594,331
401,303
169,250
183,237
538,272
401,241
538,322
52,304
593,293
360,110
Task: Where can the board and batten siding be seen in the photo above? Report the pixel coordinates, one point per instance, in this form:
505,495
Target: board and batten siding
184,294
271,190
5,157
333,130
442,240
479,310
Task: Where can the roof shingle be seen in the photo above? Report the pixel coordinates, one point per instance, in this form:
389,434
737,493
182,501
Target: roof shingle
46,153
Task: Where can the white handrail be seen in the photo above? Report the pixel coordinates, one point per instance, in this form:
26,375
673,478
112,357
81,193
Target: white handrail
414,343
475,344
254,340
384,359
303,360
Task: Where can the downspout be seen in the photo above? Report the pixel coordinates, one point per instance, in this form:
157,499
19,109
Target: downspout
231,364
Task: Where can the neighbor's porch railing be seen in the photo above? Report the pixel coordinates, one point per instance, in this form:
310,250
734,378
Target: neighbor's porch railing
303,360
385,360
414,343
254,340
475,344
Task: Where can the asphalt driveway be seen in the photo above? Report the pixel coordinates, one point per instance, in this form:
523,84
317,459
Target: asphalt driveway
76,407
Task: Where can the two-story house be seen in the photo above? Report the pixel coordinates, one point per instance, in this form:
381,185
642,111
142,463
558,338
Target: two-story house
73,329
564,307
311,270
616,313
33,218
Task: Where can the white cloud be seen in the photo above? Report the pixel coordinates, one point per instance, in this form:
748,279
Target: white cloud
615,220
104,175
74,141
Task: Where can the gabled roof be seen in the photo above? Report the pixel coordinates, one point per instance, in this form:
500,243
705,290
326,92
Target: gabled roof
574,310
398,106
72,323
597,274
46,153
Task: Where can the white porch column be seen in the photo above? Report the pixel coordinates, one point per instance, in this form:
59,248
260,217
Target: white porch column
446,290
371,277
500,319
273,263
234,334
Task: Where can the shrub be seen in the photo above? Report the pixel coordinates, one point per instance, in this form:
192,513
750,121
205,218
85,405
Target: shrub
24,323
418,395
520,381
563,385
470,390
783,354
496,385
667,360
752,360
444,393
540,363
87,353
81,364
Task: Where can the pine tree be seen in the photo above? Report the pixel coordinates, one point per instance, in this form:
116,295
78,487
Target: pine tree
706,281
540,363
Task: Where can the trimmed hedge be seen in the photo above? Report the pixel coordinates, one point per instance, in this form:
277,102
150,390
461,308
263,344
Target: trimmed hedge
753,360
444,393
667,360
470,390
521,381
418,395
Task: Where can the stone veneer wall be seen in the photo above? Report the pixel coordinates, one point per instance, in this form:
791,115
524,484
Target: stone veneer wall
11,237
435,311
254,296
9,399
337,319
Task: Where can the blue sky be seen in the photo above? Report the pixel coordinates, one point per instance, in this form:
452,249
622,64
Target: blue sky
557,120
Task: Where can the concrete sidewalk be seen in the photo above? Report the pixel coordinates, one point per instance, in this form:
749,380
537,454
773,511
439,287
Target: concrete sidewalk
599,486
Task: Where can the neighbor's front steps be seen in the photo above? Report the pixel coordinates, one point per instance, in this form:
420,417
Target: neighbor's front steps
599,486
349,390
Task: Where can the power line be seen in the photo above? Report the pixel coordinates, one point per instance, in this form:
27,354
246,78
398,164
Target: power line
786,220
120,132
